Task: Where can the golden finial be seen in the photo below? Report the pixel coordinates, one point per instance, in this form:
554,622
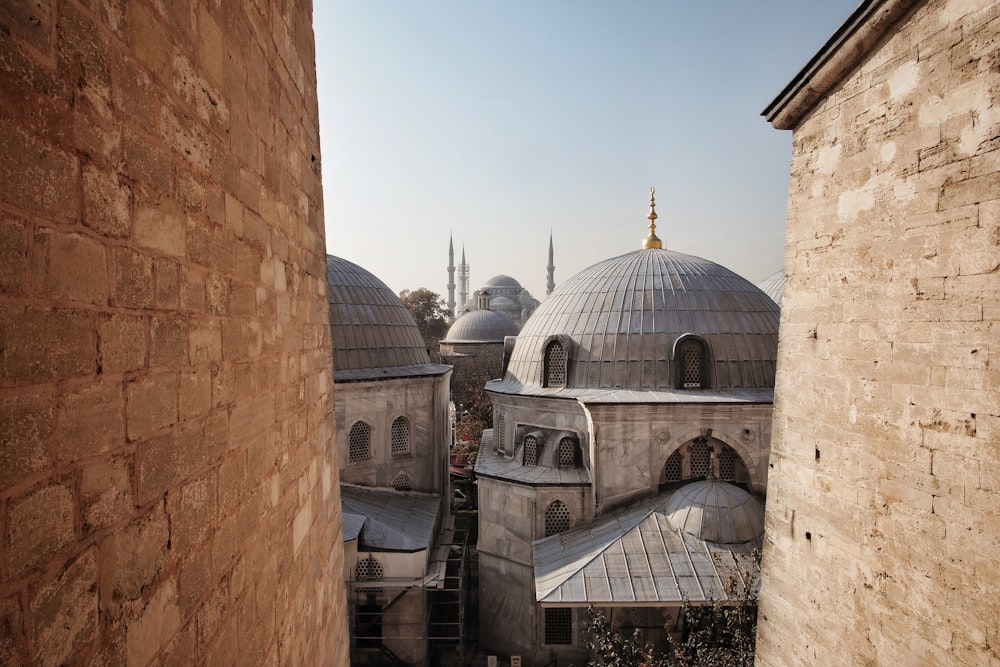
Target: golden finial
652,241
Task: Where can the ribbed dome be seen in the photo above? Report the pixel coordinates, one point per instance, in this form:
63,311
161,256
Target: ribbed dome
774,286
502,281
481,326
623,316
370,326
717,512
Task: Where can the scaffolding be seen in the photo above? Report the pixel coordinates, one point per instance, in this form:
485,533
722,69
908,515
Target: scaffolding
416,621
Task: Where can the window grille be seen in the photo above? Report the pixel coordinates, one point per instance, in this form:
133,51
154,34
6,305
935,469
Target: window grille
400,436
701,458
556,518
555,365
558,625
567,452
672,470
691,371
727,464
530,450
500,432
402,482
368,569
359,442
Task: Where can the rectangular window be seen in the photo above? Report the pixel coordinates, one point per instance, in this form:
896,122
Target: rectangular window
558,626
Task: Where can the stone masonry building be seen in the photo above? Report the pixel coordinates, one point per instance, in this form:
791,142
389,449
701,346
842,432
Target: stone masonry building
883,527
168,468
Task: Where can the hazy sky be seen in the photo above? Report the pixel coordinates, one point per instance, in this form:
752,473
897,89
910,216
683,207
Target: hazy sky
500,121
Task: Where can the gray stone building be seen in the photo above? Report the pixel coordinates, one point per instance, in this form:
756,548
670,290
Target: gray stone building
636,404
393,434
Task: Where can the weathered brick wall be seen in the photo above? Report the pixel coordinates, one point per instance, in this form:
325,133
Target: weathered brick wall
168,477
883,531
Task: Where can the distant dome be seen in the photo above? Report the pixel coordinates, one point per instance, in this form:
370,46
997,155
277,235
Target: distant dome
502,281
370,326
623,316
503,301
774,286
481,326
717,512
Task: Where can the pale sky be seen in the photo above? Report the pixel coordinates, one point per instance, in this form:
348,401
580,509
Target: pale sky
500,121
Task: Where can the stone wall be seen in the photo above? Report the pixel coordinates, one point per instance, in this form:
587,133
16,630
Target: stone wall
168,476
882,516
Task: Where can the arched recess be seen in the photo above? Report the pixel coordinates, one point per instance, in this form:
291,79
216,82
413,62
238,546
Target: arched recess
682,356
748,460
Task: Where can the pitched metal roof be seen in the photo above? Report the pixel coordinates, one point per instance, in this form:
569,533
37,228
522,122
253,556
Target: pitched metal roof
491,464
637,556
393,520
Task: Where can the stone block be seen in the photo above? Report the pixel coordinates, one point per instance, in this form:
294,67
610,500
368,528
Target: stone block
11,631
195,393
36,176
26,423
64,613
192,513
71,266
205,342
168,283
132,557
15,273
132,279
168,341
41,345
106,492
162,462
155,627
195,579
122,345
152,404
39,525
90,420
161,226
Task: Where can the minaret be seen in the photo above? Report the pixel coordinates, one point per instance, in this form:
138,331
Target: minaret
550,284
652,241
463,282
451,277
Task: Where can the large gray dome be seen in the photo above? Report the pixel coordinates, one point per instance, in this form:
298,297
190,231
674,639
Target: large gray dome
481,326
502,281
372,330
622,317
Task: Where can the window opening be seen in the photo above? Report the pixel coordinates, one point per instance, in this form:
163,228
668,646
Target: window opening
400,436
368,569
500,433
701,458
402,482
672,469
530,450
567,452
556,518
555,365
558,625
727,464
359,442
691,370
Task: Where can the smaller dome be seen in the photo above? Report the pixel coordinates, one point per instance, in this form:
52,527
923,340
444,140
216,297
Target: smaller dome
502,281
774,286
715,511
481,326
503,302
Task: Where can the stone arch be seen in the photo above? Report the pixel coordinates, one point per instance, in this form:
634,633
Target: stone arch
748,460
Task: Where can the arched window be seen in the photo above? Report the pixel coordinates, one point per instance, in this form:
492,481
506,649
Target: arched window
402,482
568,453
691,354
530,450
368,569
359,442
400,436
672,469
701,458
555,365
556,518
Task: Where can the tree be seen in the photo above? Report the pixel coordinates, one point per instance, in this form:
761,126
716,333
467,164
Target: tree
428,309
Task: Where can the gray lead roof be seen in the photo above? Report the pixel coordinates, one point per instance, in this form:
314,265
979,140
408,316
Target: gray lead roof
624,315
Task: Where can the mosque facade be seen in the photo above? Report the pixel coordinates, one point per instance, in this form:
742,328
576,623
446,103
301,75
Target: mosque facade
628,460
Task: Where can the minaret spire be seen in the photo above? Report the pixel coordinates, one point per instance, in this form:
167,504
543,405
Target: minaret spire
451,276
550,284
463,282
652,241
